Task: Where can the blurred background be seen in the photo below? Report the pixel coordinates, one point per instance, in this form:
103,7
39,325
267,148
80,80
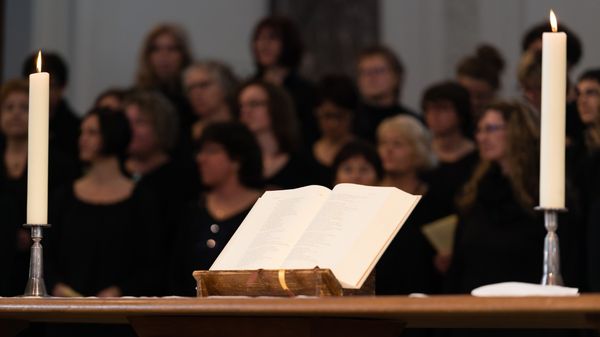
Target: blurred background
101,39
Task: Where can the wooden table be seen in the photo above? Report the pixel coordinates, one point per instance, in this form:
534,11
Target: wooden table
341,316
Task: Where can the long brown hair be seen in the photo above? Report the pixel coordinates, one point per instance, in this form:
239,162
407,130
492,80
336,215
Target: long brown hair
522,152
146,77
284,121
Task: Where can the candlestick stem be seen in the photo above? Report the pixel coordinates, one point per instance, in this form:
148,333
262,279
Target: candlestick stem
551,270
35,285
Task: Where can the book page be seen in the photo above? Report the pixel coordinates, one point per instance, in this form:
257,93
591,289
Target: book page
344,220
440,233
363,254
271,229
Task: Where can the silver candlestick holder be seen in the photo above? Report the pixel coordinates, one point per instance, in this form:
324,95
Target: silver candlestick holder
35,285
551,272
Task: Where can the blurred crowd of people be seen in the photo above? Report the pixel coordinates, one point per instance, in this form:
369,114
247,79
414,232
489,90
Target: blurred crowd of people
153,180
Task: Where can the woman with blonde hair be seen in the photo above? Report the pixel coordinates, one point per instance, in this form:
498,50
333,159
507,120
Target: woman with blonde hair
404,146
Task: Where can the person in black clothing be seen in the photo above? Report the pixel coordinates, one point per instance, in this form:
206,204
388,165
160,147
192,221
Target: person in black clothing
64,122
96,246
407,265
165,53
583,165
278,49
588,106
480,75
14,247
154,127
8,222
13,177
230,164
592,214
338,99
500,237
380,78
154,122
447,112
268,112
357,163
581,151
211,88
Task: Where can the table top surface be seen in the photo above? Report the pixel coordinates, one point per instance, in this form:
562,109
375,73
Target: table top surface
434,311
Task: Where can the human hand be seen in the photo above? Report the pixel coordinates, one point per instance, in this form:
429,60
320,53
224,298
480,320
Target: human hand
63,290
113,291
442,262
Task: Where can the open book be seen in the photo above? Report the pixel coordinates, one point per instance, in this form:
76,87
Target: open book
346,229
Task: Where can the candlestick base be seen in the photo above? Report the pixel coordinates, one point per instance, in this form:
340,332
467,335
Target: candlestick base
551,271
35,285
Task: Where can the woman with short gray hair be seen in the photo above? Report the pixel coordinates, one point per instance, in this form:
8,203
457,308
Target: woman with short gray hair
210,87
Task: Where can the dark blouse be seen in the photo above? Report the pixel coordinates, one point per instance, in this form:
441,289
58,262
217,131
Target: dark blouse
200,240
95,246
64,130
369,117
304,94
9,284
300,170
583,166
407,264
173,184
497,240
449,178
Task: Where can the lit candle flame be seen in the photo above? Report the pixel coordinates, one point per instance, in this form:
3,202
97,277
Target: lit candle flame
553,21
39,62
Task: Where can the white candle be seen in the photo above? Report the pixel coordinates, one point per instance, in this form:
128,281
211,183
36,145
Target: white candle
554,88
37,155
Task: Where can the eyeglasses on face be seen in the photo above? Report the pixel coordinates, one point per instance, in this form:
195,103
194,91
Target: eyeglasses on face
202,85
253,104
490,128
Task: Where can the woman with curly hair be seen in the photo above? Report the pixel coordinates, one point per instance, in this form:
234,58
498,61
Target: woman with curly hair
500,237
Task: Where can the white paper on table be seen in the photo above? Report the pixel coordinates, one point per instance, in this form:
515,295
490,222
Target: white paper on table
518,289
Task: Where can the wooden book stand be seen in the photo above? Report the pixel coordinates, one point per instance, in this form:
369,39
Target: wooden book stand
278,283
